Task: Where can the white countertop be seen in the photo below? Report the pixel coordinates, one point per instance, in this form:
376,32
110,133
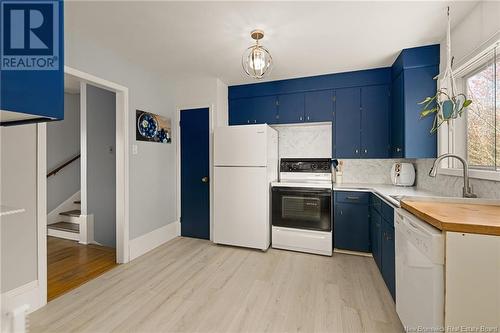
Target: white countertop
384,191
7,210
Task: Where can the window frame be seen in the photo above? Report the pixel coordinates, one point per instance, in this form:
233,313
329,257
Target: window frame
452,137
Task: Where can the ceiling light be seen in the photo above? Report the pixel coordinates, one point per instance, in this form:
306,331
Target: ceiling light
257,60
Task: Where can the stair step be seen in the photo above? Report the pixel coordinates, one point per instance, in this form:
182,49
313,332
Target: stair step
77,202
65,226
75,213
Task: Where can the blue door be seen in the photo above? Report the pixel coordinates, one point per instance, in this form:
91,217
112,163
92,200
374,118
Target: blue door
347,123
195,188
319,106
291,108
375,107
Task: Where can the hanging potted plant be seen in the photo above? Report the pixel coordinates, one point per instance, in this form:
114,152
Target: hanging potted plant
445,104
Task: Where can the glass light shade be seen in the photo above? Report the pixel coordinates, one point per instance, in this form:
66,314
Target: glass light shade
256,61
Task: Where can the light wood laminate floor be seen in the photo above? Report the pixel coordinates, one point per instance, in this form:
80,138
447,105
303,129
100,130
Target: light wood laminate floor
191,285
70,264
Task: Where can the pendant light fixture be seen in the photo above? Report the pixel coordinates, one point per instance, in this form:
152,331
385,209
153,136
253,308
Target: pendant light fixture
257,60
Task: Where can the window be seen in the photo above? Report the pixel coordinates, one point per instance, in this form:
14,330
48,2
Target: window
476,135
483,116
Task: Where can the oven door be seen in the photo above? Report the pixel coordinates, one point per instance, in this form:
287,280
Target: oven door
302,208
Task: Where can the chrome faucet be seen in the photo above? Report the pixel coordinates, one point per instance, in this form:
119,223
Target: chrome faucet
467,190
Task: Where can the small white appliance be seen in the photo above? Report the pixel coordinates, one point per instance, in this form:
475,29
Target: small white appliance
302,206
402,174
419,272
245,163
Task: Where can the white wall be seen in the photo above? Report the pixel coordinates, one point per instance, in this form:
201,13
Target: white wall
152,201
101,163
63,142
18,183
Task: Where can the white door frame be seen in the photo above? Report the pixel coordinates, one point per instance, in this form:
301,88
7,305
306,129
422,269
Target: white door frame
122,176
211,109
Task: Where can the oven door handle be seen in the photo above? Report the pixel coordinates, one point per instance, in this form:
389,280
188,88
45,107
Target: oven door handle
324,192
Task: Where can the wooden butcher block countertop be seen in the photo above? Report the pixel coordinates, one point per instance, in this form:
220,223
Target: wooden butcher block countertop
457,217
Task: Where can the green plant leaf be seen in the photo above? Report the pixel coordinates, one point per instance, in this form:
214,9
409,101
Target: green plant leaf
427,100
466,103
425,113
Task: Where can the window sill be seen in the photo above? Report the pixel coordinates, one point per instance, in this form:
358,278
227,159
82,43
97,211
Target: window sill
473,173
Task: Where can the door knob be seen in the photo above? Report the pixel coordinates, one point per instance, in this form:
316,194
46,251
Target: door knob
204,179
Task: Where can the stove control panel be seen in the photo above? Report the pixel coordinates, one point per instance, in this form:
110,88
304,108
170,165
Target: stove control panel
319,165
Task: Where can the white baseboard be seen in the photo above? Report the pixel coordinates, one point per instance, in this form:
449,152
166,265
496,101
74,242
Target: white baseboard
68,204
26,295
153,239
86,229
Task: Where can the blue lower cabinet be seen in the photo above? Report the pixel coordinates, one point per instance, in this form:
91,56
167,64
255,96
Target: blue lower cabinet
319,106
351,222
291,108
388,257
376,235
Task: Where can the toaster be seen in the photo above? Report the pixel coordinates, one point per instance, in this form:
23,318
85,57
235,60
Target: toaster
403,174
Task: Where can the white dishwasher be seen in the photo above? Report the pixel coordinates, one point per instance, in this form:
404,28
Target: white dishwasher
419,272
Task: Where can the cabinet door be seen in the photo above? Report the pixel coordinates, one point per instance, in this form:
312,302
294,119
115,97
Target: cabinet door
376,235
397,116
319,106
347,123
375,107
241,111
388,257
265,110
291,108
351,227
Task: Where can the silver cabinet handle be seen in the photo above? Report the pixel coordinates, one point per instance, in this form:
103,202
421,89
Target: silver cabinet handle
352,198
204,179
248,121
356,151
398,149
255,121
300,118
307,117
366,151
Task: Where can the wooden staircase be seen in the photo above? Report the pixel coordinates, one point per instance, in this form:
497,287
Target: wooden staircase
69,227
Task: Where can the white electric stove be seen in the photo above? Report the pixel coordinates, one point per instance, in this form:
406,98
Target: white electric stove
302,206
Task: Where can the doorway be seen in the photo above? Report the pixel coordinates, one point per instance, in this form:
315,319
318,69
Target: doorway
195,172
120,171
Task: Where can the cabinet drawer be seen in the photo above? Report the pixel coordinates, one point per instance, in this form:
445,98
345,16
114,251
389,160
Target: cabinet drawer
375,202
352,197
388,213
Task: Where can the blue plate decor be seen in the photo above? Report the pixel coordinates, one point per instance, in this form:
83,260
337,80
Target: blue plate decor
152,127
147,125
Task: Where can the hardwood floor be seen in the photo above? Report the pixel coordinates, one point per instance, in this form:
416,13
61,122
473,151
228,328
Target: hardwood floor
70,264
191,285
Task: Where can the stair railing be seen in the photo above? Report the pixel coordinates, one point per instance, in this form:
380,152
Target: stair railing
62,166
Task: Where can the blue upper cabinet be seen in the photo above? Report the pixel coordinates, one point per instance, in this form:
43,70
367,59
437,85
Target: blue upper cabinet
291,108
346,135
256,110
319,106
413,75
32,69
265,110
375,110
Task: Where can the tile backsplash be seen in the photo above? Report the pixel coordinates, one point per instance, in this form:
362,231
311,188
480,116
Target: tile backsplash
451,185
305,140
376,171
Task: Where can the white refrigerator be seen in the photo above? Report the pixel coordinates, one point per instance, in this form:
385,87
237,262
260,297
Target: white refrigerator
245,163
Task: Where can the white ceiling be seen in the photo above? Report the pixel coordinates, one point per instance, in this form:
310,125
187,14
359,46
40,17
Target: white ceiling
304,38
